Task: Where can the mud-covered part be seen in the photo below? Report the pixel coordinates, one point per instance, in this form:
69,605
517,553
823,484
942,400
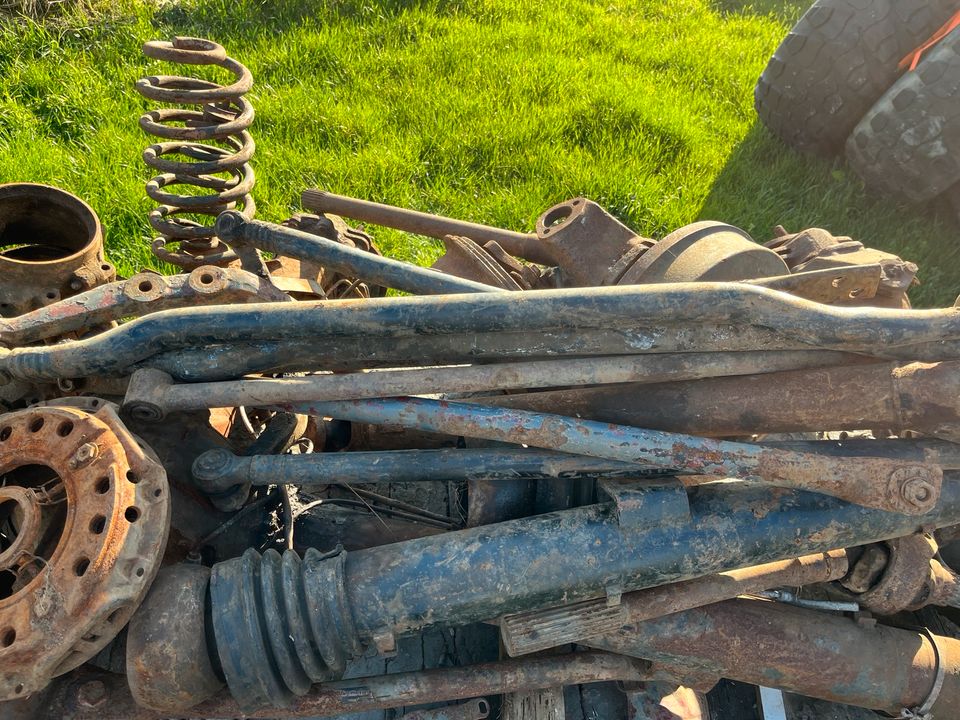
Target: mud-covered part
85,512
838,59
51,247
908,144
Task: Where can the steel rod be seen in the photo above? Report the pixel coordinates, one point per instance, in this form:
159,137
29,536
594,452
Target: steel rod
524,245
641,315
565,624
894,396
364,694
233,227
152,394
219,470
874,482
342,354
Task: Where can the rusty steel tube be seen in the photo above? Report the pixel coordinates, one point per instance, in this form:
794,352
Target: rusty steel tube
524,245
152,393
544,629
915,396
367,693
825,656
233,227
349,354
648,319
219,470
882,483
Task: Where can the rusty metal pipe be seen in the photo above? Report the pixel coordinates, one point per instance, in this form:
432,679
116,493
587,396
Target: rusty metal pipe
915,396
339,604
807,652
362,694
152,394
524,245
881,483
233,227
544,629
219,470
349,354
657,318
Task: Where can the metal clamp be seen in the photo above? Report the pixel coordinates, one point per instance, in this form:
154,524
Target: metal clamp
923,712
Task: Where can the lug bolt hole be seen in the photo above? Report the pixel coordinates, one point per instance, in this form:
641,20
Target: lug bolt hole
36,424
80,567
132,514
103,486
65,428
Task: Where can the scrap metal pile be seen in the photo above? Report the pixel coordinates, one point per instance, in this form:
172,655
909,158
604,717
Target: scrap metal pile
268,487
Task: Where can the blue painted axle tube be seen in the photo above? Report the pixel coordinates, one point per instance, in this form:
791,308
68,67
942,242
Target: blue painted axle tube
883,483
233,227
713,316
281,623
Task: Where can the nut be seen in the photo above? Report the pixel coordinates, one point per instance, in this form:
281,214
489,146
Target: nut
84,455
917,491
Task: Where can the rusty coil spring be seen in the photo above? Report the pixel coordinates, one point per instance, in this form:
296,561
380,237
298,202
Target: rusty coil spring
222,117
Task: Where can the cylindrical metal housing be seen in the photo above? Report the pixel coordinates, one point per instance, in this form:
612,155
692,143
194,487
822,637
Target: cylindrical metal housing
51,247
332,607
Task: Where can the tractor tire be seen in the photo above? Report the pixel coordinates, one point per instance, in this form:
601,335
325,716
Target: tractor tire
908,145
836,62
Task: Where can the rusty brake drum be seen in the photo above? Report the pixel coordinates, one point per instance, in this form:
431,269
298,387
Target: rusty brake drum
84,517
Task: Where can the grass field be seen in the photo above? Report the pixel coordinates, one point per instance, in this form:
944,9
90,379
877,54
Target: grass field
488,110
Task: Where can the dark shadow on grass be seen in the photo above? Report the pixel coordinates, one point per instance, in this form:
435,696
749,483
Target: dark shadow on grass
764,184
787,11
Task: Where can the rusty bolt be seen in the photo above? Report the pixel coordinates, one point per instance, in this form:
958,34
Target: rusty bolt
917,491
84,455
92,693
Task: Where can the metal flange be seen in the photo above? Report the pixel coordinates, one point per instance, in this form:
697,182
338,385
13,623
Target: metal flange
84,517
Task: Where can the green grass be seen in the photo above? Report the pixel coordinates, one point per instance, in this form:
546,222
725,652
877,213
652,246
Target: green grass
487,110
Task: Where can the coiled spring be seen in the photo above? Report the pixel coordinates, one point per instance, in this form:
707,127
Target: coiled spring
207,148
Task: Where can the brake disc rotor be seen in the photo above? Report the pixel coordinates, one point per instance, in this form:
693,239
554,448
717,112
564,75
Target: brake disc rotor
84,516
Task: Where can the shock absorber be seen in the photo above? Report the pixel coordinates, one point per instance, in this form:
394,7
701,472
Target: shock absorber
207,147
